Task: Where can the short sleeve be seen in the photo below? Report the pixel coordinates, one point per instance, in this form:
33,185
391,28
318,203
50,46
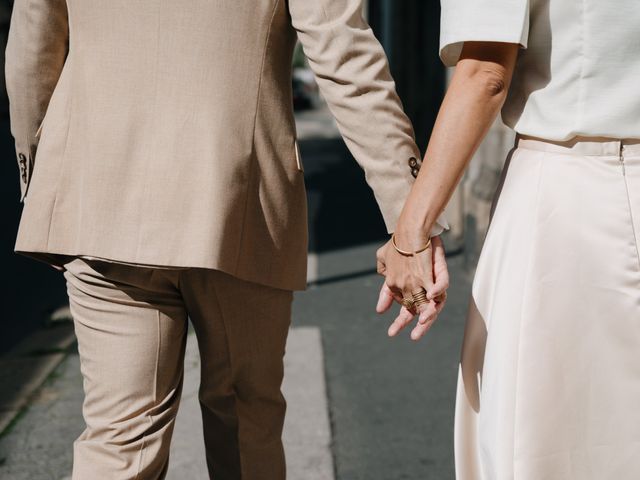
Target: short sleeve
481,21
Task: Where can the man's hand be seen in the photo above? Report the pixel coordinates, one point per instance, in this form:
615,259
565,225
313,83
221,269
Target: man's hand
408,275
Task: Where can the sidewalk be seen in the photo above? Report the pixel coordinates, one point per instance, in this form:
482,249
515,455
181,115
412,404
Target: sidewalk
39,446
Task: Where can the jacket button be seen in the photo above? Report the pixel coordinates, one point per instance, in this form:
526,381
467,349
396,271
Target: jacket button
22,159
413,163
414,172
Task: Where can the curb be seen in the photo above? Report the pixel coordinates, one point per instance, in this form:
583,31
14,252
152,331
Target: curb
24,369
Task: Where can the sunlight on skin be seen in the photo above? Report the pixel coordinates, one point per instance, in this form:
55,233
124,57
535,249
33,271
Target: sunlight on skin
477,92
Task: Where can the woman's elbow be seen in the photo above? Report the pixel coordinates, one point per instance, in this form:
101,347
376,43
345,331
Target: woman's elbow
489,82
488,68
494,83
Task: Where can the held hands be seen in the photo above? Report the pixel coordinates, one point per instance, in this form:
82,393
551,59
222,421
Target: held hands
405,278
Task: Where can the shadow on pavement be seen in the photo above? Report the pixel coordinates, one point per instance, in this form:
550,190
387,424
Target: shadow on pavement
342,209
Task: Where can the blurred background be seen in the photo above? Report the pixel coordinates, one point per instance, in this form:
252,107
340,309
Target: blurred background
361,406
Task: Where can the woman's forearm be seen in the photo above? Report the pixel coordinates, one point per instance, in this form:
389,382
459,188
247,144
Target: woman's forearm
477,92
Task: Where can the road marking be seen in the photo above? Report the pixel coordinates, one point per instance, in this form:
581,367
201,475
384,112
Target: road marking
307,431
312,267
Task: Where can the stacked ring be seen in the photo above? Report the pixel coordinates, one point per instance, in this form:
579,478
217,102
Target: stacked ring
420,298
408,303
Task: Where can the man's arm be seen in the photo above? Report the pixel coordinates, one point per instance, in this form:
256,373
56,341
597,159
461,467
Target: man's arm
36,52
353,75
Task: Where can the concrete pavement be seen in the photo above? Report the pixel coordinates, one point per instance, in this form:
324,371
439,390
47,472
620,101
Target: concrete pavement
39,446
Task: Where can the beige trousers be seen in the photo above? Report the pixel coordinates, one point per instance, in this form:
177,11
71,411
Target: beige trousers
131,324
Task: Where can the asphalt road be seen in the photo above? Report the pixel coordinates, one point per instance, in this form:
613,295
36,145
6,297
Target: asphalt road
391,400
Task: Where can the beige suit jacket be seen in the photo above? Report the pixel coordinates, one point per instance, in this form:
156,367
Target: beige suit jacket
165,135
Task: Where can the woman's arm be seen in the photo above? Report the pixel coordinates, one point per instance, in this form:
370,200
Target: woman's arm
477,92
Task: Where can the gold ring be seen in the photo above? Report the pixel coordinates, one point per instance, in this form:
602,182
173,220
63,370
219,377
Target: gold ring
420,298
407,303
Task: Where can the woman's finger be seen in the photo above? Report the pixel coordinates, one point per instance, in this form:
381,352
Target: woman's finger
441,299
440,270
422,328
402,320
420,279
431,311
425,265
427,311
427,318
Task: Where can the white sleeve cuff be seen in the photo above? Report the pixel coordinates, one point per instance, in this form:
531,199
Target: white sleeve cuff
439,227
462,21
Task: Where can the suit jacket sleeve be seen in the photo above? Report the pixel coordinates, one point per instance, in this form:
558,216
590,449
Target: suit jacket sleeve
35,55
353,76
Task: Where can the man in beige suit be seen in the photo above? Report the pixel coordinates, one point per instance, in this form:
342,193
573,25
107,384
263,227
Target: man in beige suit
159,169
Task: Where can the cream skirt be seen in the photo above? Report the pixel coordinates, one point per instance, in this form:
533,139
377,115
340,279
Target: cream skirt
549,385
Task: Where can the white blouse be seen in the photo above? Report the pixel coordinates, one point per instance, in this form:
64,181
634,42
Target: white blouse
578,73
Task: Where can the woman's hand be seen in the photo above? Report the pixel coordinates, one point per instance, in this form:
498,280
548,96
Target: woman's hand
410,275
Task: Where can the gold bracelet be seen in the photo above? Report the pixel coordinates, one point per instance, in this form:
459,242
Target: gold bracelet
404,252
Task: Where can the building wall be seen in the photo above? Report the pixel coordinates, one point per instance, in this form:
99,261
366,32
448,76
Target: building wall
409,32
